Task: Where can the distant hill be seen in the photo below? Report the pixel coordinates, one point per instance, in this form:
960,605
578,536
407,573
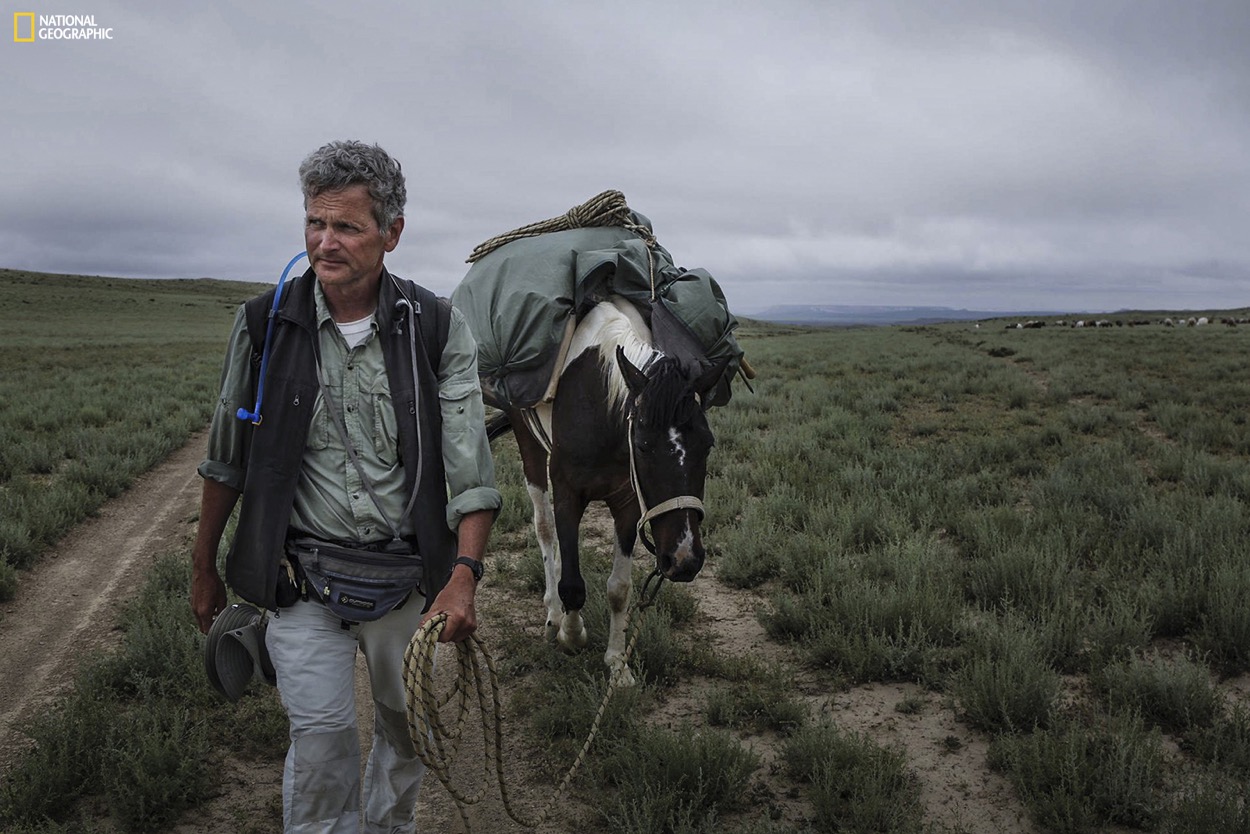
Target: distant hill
845,315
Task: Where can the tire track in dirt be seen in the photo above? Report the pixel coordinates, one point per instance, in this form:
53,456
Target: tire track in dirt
62,614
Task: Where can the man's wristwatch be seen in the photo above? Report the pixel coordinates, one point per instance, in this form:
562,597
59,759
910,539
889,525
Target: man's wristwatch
472,564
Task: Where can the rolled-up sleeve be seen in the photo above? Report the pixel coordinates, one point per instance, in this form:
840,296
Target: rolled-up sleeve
224,462
466,448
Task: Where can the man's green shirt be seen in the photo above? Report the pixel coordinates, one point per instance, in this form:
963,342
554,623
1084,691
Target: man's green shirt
330,500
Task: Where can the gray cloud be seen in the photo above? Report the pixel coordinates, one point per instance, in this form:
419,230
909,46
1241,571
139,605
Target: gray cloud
995,155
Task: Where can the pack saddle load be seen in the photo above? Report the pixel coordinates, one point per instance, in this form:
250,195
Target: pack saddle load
527,289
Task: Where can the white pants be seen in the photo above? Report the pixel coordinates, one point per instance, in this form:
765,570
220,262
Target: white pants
315,661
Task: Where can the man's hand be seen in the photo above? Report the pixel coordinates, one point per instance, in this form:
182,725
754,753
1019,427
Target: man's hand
208,597
456,600
208,592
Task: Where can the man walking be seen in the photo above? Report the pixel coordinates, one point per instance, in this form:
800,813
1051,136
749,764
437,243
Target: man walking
371,447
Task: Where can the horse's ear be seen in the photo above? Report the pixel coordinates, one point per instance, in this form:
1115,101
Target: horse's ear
635,379
708,379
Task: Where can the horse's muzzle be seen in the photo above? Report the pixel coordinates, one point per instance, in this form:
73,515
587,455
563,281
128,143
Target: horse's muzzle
684,570
682,558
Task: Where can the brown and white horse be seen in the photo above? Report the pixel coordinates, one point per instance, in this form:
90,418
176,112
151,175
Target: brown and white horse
626,427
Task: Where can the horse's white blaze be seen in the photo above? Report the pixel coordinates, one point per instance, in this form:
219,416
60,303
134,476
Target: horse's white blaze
545,529
674,437
685,546
619,585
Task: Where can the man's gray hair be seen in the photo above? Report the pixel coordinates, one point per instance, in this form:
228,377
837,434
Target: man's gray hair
338,165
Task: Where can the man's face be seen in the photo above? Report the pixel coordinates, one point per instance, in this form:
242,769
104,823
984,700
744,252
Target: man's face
342,238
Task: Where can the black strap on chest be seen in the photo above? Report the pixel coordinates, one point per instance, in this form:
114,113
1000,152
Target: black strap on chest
258,310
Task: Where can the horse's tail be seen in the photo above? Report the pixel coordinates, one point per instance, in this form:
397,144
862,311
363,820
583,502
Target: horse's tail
498,426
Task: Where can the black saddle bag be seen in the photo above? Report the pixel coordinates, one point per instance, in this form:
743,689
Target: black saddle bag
359,584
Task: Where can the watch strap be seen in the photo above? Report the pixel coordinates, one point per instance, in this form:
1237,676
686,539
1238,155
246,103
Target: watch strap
472,564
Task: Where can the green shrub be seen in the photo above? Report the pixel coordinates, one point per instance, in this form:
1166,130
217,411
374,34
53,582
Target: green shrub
156,764
896,616
1119,625
1208,805
1224,630
1174,695
760,706
1225,743
1075,776
854,784
65,762
8,581
1025,571
658,653
750,553
564,711
675,781
1008,685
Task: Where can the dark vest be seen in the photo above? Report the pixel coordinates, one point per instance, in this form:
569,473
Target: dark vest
274,450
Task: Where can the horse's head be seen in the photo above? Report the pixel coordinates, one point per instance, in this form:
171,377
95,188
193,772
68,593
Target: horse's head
669,444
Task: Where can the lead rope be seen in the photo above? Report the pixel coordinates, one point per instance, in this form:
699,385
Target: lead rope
437,743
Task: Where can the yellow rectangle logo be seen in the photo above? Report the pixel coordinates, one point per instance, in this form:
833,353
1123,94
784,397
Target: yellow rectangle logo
17,27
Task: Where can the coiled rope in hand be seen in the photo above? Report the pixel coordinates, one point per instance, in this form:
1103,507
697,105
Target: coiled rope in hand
437,741
606,209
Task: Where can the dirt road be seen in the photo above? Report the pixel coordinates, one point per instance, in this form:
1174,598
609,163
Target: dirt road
62,610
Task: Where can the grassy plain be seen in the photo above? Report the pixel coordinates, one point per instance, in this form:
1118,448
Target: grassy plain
100,378
1044,527
1047,525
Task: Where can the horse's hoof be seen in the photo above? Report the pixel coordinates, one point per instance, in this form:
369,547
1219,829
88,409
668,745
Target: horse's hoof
620,675
551,632
573,642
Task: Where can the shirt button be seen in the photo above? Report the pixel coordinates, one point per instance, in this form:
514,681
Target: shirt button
350,409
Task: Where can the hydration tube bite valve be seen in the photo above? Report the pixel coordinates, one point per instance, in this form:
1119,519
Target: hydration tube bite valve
254,416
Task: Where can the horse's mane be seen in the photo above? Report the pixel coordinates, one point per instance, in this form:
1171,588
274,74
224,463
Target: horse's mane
609,325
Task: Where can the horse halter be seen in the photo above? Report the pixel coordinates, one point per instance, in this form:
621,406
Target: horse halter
680,502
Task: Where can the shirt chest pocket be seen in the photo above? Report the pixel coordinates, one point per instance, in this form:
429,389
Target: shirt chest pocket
381,424
321,429
369,419
385,428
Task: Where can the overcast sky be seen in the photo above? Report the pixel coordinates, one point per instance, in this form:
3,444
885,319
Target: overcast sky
1090,155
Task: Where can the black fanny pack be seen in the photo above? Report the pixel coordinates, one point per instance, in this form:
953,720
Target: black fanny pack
359,584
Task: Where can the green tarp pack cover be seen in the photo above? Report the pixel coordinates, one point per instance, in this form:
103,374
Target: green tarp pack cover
518,301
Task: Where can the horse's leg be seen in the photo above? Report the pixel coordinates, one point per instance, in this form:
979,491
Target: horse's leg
569,508
534,463
625,515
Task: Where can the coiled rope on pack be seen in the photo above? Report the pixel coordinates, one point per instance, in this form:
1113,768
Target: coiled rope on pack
605,209
437,741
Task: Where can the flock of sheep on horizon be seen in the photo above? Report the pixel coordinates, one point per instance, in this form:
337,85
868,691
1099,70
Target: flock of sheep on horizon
1192,321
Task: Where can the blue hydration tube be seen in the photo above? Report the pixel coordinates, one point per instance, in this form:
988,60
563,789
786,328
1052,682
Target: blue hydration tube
254,416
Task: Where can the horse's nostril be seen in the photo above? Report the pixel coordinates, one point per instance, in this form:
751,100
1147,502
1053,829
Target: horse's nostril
683,568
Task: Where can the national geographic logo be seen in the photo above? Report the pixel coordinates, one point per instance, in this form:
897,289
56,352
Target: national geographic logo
29,27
